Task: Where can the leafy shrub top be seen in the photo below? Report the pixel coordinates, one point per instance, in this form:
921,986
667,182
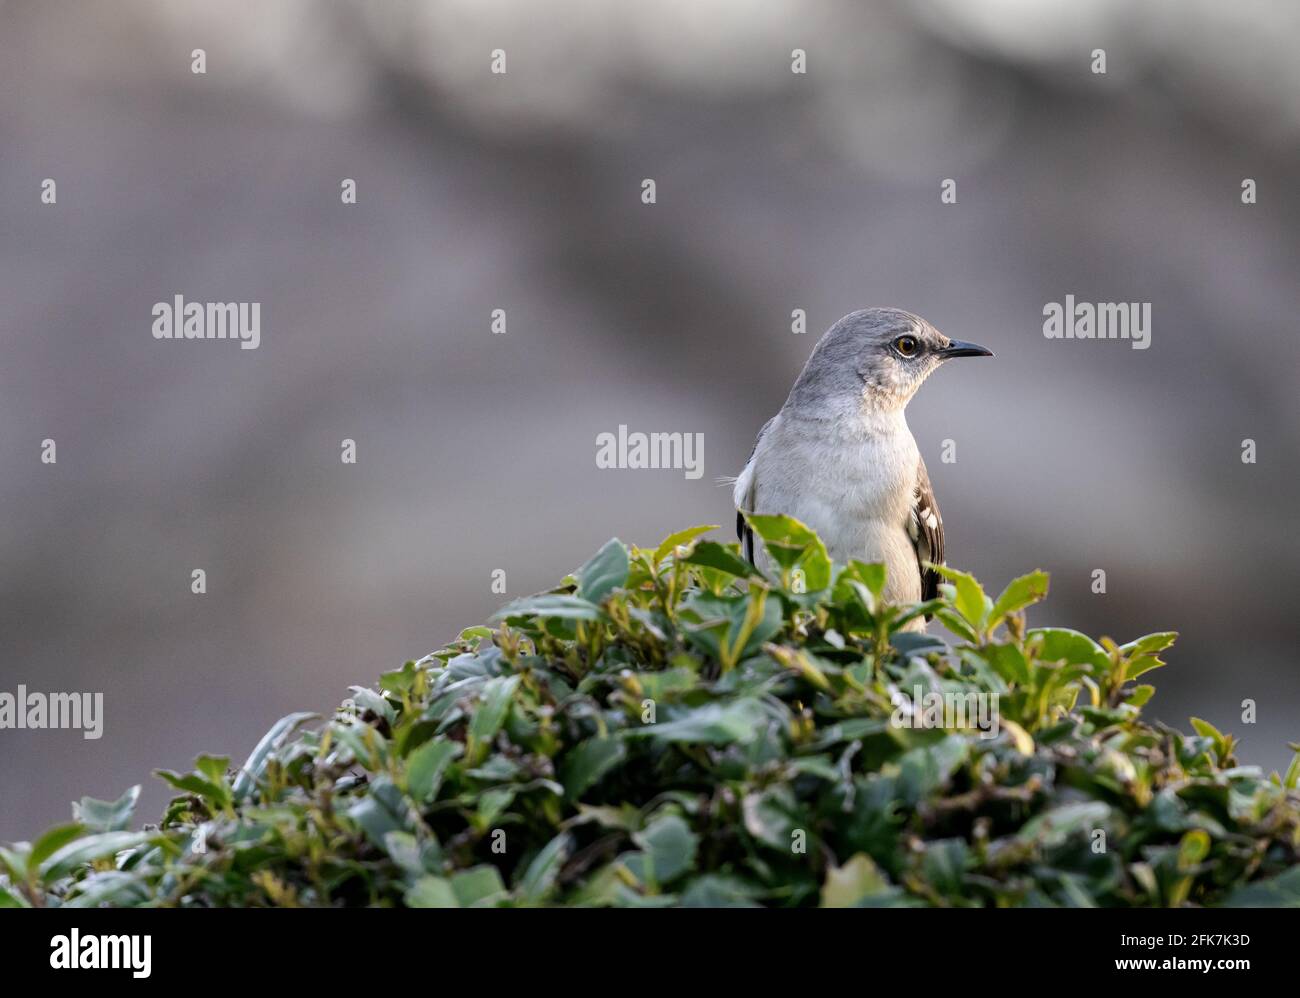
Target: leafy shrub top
673,726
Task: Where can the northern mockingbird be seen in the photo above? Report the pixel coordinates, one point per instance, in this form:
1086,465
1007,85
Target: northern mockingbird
840,458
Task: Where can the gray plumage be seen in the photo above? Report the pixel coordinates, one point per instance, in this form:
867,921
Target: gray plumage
840,458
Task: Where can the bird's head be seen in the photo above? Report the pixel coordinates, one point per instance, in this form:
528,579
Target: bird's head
877,357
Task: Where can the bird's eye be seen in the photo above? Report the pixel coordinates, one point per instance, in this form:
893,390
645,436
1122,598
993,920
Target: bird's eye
906,345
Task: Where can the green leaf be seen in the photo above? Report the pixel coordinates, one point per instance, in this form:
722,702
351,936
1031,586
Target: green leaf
870,576
923,770
1222,744
367,699
1020,593
1143,655
1139,695
478,887
671,846
1282,891
667,685
107,816
711,724
255,766
968,597
588,762
538,881
854,883
1150,644
1207,730
1292,778
425,767
1060,644
956,623
8,899
770,816
945,863
732,628
431,892
1140,665
551,606
109,888
53,840
1020,738
87,849
494,703
1008,662
365,743
399,681
605,572
1192,849
384,810
492,804
719,891
213,768
683,537
215,794
1054,827
793,544
403,848
761,620
14,860
711,554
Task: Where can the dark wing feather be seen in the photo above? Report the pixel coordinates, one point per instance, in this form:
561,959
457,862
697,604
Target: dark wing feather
926,528
745,535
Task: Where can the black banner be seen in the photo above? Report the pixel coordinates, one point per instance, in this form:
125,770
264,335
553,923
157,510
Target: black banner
1009,947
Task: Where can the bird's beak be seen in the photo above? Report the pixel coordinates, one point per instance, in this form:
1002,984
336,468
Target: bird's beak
960,348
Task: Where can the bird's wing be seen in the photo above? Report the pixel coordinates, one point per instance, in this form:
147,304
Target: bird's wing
926,528
746,488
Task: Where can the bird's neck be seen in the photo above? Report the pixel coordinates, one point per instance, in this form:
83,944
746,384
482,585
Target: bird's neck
883,421
856,421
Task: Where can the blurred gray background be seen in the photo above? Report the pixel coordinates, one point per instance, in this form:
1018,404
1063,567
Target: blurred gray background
477,452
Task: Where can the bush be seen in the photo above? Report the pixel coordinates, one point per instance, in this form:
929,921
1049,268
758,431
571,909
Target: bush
671,726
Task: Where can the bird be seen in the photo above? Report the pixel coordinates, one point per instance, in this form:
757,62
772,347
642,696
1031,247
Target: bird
839,456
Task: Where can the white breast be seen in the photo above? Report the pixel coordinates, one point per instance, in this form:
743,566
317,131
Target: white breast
852,484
